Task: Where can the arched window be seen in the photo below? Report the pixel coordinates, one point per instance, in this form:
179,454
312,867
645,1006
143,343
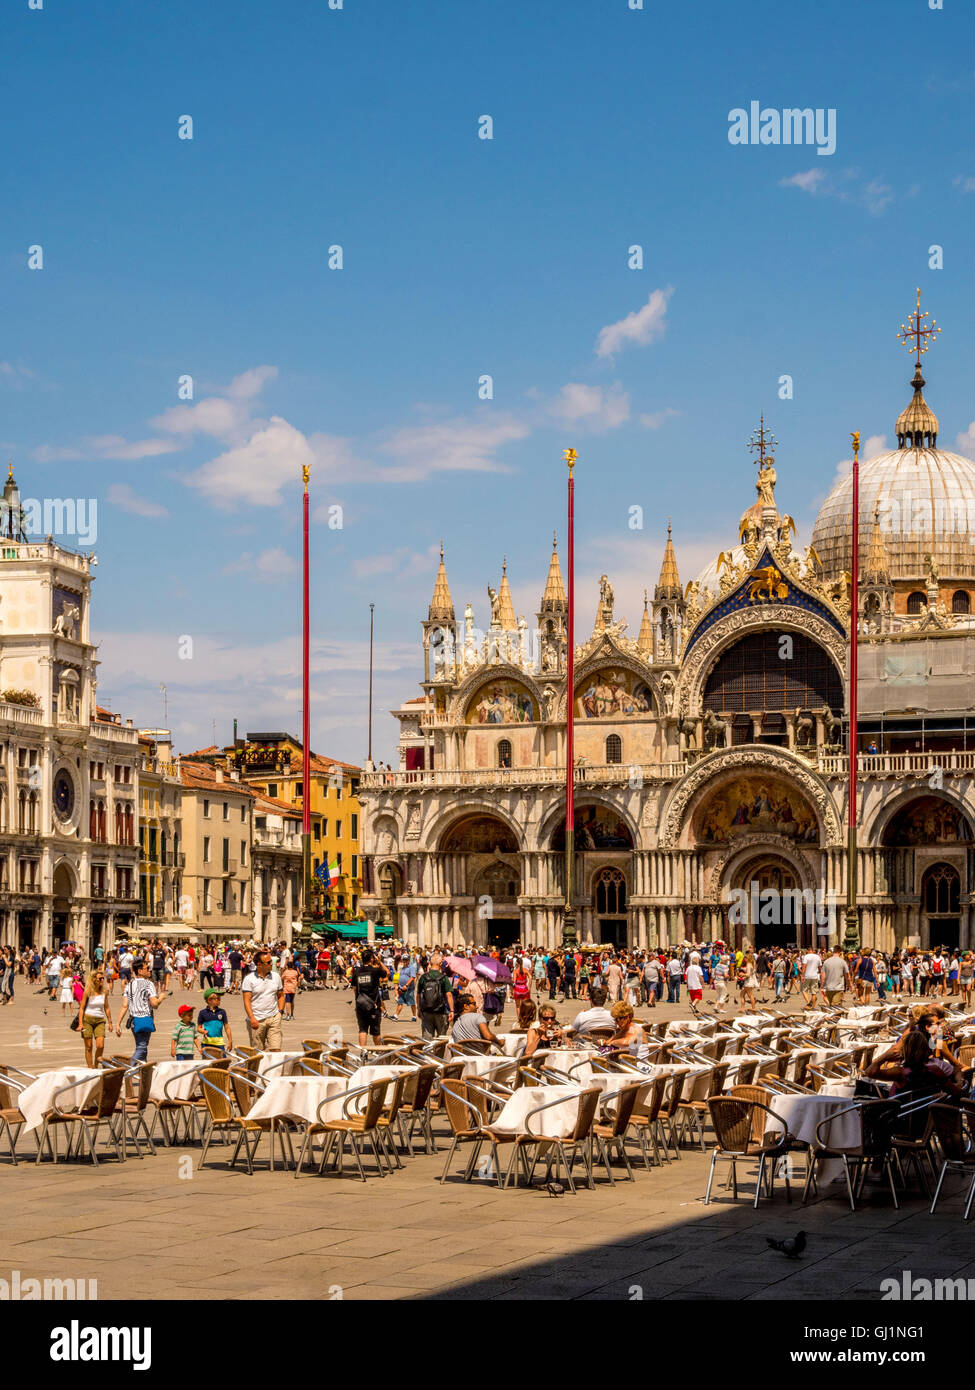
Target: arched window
752,677
942,890
504,753
916,602
614,749
960,602
610,893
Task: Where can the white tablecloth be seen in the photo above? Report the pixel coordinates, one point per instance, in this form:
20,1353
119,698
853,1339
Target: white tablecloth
187,1088
695,1083
513,1043
562,1058
488,1066
278,1063
608,1082
298,1098
37,1099
802,1114
688,1025
556,1123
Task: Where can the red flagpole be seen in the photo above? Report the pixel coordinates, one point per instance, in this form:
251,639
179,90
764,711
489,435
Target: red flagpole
568,924
305,718
852,914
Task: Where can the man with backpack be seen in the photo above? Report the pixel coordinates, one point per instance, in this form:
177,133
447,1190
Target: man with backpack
434,1000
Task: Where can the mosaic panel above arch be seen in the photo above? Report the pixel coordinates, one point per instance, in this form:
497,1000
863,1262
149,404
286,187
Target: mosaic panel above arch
613,692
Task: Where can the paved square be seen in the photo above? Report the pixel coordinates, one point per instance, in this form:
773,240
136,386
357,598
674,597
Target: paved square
194,1233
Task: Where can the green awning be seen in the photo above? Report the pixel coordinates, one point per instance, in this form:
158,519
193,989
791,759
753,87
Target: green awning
382,929
351,931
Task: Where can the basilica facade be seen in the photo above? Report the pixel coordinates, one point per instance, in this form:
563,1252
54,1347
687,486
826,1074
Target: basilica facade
711,749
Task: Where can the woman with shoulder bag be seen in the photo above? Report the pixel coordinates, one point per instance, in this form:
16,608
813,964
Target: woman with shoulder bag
139,1002
94,1013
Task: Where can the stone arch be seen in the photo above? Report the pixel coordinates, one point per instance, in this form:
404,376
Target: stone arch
385,834
554,821
690,791
889,810
607,653
463,697
689,696
64,882
452,819
749,849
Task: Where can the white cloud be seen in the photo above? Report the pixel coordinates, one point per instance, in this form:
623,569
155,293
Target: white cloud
123,496
256,471
965,182
809,182
643,326
597,407
225,416
657,418
965,441
269,565
875,445
463,445
403,563
874,194
16,376
106,446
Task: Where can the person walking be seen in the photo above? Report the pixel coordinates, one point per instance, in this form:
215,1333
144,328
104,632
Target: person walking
94,1017
263,998
434,999
675,973
138,1002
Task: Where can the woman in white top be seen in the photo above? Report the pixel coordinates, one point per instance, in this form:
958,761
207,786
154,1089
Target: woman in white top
94,1014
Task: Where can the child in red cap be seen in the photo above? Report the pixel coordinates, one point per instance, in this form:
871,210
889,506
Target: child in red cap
184,1035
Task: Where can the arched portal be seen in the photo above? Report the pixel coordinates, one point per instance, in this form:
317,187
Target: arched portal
609,905
941,905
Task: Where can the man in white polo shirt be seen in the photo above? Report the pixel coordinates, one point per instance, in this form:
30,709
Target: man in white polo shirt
263,996
812,965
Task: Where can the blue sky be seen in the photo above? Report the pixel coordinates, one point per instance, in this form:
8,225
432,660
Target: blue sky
358,127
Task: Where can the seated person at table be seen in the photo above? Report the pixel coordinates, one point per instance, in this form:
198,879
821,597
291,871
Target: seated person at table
629,1033
527,1013
596,1017
545,1033
470,1025
911,1066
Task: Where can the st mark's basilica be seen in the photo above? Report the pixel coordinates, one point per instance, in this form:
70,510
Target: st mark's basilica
710,749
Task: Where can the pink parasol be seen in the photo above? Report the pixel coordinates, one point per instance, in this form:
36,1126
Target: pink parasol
459,965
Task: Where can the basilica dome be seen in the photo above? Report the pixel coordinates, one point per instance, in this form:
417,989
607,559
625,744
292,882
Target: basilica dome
923,498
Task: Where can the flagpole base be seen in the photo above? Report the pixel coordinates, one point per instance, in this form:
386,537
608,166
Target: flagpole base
851,940
570,936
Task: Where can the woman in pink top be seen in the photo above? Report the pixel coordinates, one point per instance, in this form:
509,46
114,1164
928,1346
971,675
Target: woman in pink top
289,979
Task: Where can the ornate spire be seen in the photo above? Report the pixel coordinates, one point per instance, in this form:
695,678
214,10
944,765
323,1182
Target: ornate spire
553,599
441,605
917,425
506,608
668,585
763,442
644,641
877,567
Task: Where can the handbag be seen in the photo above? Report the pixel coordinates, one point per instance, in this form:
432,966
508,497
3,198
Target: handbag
493,1003
74,1025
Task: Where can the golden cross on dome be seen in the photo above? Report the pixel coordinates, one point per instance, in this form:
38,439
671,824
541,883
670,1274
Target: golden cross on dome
916,337
763,440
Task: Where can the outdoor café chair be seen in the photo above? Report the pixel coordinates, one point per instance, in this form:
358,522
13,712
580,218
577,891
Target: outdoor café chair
133,1105
447,1071
739,1127
913,1137
672,1103
388,1117
100,1108
877,1118
645,1121
11,1118
313,1044
359,1128
610,1133
219,1087
694,1112
467,1107
415,1108
557,1151
952,1124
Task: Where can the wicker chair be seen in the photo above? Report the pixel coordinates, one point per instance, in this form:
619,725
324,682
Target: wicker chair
739,1127
611,1133
645,1122
357,1128
11,1118
694,1112
877,1120
133,1105
100,1108
415,1109
467,1106
557,1151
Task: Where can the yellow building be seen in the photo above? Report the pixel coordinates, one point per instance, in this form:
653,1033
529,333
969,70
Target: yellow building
272,764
